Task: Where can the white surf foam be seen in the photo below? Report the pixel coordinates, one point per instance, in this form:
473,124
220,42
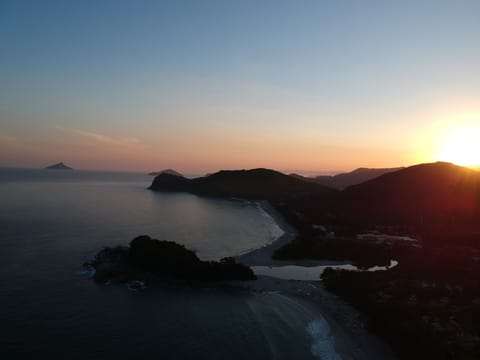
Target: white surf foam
87,270
323,342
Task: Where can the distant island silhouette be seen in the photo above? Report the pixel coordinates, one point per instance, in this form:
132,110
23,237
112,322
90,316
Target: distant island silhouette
165,171
59,166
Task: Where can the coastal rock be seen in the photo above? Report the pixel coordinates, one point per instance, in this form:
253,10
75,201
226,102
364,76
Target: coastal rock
151,259
170,183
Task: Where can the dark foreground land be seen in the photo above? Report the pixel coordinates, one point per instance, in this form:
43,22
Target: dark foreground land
150,259
427,307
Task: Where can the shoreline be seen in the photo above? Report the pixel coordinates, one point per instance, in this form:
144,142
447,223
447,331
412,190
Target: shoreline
351,340
263,256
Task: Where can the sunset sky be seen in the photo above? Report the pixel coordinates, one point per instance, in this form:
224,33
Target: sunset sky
204,85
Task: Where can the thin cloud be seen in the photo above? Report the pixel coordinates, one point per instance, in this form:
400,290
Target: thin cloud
106,139
8,140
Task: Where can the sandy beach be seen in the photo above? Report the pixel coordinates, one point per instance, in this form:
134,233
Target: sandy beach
263,255
352,341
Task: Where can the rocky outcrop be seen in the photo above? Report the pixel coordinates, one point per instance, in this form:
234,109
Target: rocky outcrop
150,259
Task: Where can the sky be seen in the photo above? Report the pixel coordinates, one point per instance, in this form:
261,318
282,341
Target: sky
198,86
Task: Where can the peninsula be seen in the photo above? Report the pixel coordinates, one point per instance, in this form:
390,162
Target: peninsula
165,171
151,259
254,184
424,216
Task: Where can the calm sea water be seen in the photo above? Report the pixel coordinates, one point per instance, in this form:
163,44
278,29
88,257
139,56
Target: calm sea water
51,222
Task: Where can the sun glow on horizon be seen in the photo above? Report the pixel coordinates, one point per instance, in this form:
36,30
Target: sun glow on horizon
462,146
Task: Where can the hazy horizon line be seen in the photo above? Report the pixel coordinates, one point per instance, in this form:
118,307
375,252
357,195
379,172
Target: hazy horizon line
306,173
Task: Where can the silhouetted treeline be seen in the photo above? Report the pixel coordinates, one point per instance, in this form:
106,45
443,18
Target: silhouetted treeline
150,259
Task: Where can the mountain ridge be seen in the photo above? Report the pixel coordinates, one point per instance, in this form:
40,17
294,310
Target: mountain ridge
438,200
259,183
344,180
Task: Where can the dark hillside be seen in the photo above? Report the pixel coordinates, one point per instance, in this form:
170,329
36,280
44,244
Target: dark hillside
249,184
357,176
418,195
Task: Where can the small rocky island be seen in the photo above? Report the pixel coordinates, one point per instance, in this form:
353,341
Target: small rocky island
165,171
58,166
151,259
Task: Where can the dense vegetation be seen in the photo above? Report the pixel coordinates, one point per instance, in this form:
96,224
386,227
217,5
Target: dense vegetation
428,307
150,259
248,184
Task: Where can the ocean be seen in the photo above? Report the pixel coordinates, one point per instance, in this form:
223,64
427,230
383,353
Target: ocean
51,222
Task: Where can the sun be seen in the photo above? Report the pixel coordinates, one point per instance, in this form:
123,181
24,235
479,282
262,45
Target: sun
462,146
